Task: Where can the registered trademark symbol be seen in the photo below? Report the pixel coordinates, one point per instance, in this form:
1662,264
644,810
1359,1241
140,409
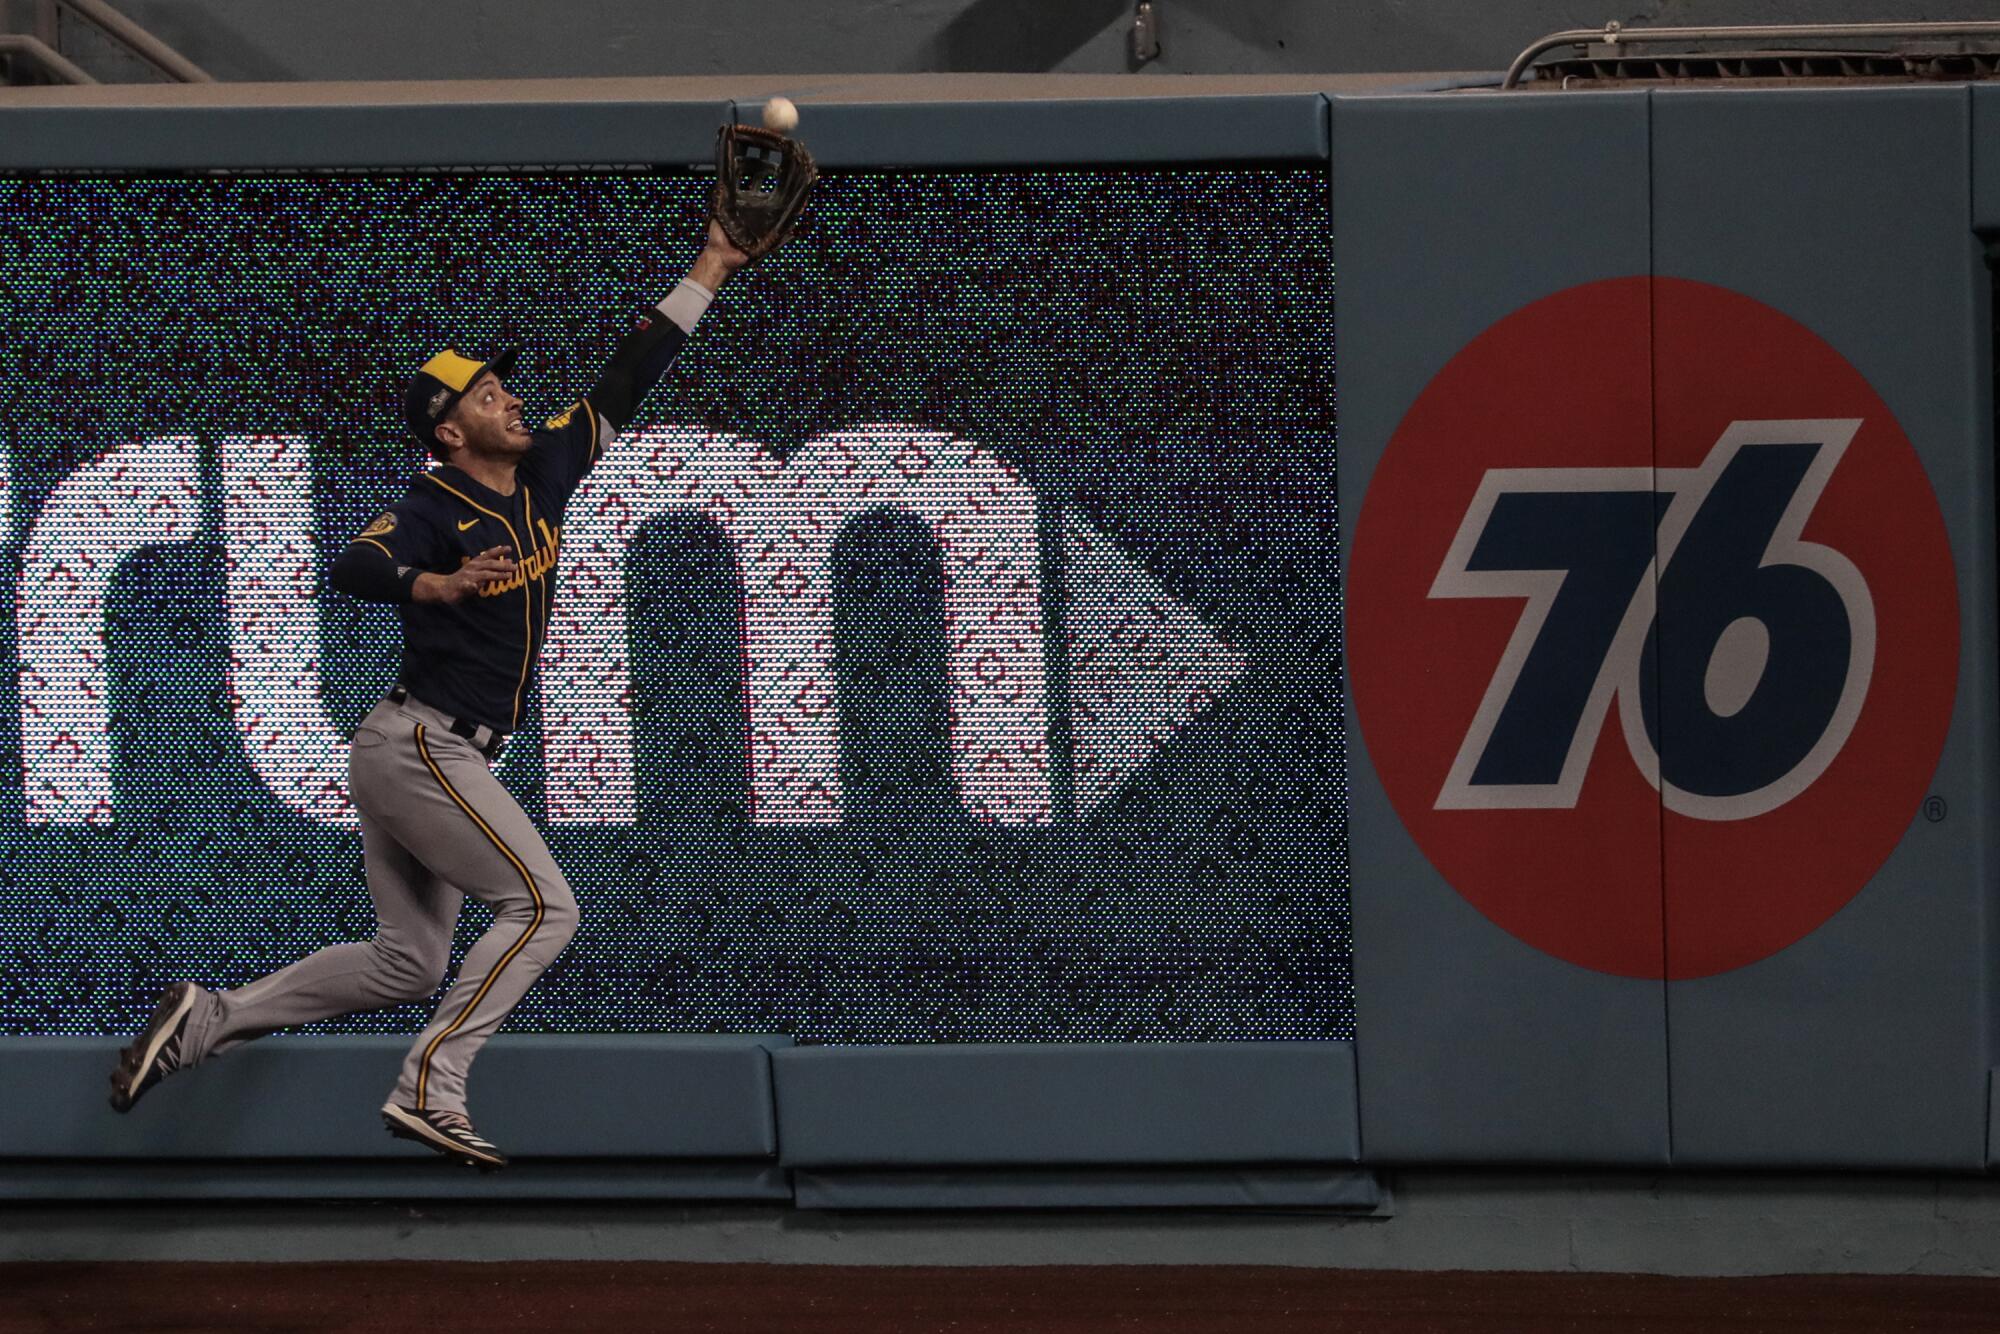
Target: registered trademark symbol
1934,808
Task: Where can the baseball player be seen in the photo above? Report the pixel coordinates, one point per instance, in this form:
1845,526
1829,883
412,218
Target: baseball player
468,556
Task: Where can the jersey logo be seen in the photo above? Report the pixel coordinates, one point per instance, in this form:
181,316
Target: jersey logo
467,524
384,523
561,419
1653,628
532,569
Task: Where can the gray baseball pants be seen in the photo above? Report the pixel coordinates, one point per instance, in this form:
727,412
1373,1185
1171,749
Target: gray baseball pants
435,826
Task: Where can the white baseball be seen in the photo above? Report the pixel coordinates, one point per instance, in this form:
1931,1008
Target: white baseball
781,115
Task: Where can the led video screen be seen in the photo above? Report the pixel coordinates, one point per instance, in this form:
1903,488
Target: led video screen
950,651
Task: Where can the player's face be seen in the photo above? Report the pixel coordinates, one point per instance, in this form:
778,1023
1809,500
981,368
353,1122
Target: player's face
489,419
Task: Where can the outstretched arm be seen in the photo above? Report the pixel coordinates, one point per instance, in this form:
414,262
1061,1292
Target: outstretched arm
644,354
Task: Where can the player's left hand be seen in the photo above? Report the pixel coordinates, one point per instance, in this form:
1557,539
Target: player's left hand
717,261
725,253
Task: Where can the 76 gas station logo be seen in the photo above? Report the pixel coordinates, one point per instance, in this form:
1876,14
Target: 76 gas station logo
1737,654
1658,688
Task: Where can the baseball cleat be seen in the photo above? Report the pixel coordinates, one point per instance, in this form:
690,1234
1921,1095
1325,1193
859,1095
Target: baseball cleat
450,1133
156,1052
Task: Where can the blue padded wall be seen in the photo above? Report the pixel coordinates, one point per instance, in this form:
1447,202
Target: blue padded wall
1993,1118
1045,1104
630,1116
689,1102
1863,1043
1820,1015
1450,213
1985,144
1867,1042
605,1096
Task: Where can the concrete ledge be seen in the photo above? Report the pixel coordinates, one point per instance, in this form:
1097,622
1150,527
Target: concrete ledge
1249,1188
956,120
189,136
1639,1222
584,1096
1044,1105
1057,132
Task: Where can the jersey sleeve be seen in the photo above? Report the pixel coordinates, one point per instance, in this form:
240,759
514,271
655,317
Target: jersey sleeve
381,562
574,440
569,445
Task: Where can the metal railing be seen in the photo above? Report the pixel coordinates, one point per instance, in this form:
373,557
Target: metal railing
1616,34
129,36
47,57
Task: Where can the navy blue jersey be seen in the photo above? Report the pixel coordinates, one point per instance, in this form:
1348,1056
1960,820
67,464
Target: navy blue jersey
475,659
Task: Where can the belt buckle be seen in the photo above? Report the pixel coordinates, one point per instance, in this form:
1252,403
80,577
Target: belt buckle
471,730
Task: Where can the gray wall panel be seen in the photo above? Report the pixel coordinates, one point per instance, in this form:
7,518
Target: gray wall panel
1992,1119
1450,213
1985,130
639,1096
1866,1042
1986,156
384,39
1069,1103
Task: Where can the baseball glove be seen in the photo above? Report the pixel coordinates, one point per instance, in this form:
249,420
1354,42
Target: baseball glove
762,180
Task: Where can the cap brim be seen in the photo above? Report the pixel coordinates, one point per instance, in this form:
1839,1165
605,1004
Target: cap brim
500,364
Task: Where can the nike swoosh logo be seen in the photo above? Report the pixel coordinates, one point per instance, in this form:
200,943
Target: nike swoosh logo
467,524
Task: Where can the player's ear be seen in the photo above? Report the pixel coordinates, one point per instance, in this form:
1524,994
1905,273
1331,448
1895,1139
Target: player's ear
449,436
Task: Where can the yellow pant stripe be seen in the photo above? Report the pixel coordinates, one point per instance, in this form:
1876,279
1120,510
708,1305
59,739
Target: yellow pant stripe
424,1067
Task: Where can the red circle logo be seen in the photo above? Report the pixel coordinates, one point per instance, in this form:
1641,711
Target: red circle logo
1653,627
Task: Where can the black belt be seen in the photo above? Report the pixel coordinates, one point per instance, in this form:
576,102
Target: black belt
460,726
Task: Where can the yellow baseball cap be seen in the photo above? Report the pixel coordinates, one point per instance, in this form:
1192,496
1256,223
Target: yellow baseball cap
441,382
